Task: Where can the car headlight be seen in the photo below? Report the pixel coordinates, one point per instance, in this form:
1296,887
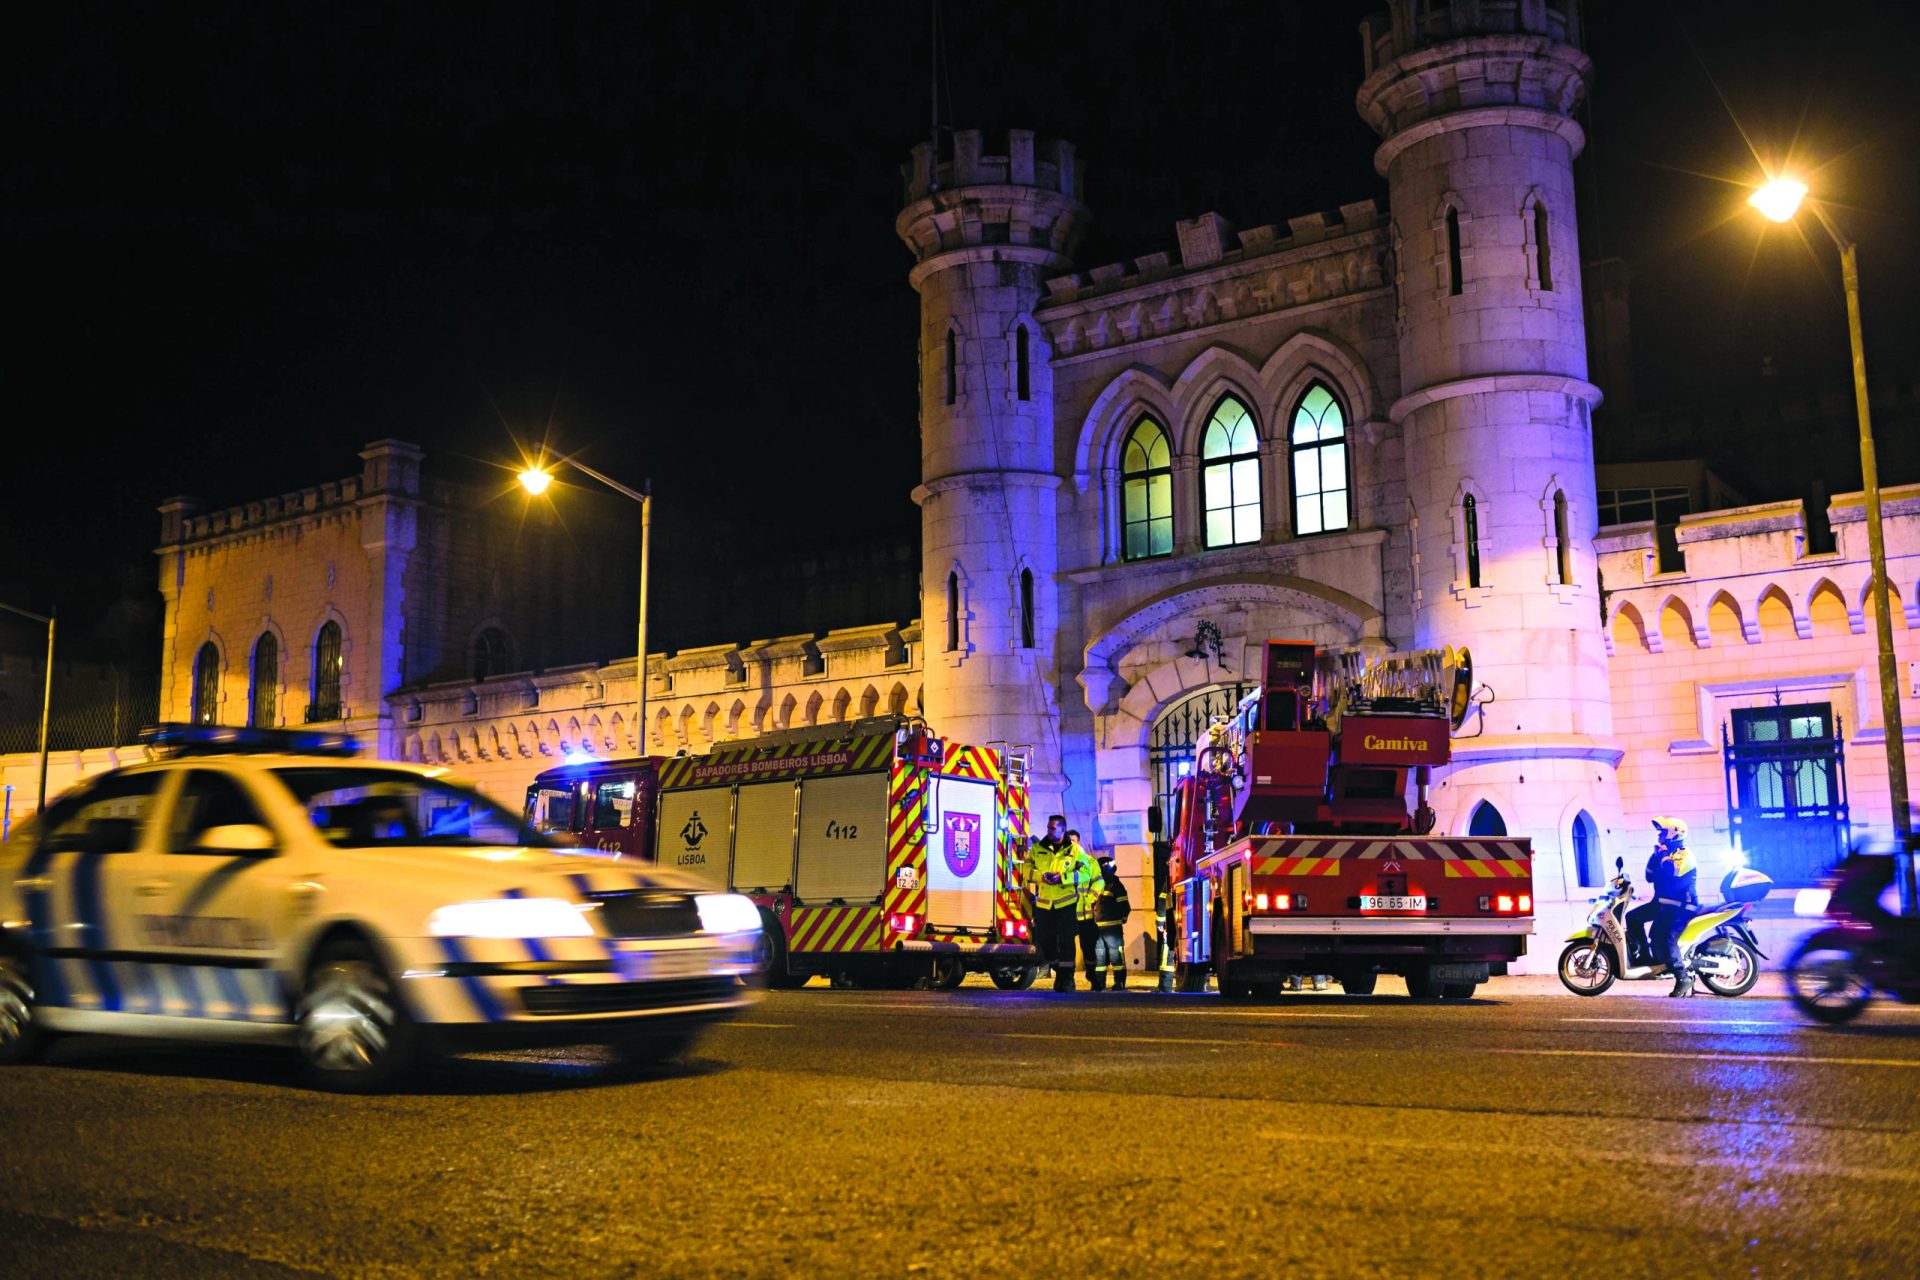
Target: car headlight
727,913
510,918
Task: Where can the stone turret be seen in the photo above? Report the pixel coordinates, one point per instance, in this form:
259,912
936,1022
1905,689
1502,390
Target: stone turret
1473,101
986,231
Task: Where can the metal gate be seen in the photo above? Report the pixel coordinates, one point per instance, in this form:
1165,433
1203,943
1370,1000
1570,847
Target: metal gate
1787,789
1170,741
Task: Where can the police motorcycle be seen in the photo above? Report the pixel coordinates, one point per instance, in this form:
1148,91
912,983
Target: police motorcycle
1865,947
1717,945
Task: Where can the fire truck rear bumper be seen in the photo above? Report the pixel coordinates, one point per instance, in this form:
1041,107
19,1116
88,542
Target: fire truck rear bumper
1007,952
1492,940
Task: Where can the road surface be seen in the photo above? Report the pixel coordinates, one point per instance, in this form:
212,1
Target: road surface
861,1133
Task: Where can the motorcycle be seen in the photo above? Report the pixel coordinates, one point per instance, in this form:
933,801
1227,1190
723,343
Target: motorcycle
1718,945
1834,972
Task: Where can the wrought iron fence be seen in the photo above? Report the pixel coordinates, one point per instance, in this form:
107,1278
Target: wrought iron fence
90,716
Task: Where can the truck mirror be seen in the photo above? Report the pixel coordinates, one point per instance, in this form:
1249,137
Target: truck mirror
1619,864
1154,824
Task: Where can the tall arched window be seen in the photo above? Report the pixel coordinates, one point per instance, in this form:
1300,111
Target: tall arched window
1563,545
1022,364
324,704
206,684
492,653
953,367
1470,537
953,612
1486,821
1455,283
1543,261
1586,850
1146,492
1026,608
264,705
1230,476
1319,463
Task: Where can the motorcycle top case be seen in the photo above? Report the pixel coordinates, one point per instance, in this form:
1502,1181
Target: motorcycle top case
1744,884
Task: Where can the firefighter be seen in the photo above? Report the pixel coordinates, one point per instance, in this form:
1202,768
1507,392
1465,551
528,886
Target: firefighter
1111,907
1088,880
1676,898
1054,899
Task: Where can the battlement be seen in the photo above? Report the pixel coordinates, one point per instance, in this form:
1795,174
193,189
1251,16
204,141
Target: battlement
1211,241
1412,24
1046,163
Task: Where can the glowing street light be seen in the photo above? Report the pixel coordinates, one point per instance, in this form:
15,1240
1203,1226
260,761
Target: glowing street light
535,478
1779,199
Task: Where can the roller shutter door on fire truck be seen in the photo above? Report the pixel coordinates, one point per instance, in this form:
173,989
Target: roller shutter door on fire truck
843,838
763,836
694,829
960,854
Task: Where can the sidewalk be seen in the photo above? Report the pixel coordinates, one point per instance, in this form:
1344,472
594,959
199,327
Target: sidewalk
1770,987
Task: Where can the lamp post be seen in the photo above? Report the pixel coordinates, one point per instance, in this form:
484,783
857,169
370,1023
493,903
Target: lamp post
535,479
46,698
1779,200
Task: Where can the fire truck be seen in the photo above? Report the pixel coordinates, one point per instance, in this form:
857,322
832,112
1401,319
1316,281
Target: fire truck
881,855
1294,851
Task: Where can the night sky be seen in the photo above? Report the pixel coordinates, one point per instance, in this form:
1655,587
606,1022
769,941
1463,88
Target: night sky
243,239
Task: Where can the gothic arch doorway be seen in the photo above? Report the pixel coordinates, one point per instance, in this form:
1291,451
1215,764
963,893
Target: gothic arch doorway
1170,740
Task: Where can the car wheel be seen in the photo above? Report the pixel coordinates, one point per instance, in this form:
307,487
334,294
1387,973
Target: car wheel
773,941
1014,979
1358,984
948,973
1458,990
352,1028
1189,978
21,1037
1421,986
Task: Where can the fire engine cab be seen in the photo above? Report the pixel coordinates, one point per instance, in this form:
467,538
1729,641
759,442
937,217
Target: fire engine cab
882,856
1294,850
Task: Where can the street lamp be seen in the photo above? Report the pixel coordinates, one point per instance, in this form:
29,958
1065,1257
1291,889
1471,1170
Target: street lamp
46,697
535,479
1779,200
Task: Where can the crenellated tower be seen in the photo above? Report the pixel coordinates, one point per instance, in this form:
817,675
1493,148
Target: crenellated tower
1473,101
986,231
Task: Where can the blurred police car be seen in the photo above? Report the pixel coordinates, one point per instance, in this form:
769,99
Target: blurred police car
266,886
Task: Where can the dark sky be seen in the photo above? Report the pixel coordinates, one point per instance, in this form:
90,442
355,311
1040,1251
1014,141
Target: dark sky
242,239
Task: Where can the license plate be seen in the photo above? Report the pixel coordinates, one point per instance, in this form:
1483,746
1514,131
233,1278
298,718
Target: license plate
1393,902
662,966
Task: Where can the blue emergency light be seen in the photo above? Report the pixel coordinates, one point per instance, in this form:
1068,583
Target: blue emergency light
224,739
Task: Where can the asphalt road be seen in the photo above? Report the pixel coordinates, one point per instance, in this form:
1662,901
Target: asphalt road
858,1133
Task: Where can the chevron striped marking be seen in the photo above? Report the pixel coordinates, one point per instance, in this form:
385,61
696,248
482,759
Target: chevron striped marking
835,929
906,841
748,763
972,762
1485,869
1296,866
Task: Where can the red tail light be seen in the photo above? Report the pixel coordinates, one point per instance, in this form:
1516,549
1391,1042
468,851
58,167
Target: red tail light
1011,929
1526,902
1503,905
1260,901
904,923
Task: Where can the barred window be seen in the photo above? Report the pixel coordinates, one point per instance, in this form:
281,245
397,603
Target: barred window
1230,478
206,684
327,662
1146,492
1319,463
1470,536
263,706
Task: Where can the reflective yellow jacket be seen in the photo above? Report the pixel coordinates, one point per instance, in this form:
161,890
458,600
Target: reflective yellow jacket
1075,876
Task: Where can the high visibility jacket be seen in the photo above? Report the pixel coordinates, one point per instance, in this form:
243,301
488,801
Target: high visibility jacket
1055,876
1675,874
1088,880
1111,904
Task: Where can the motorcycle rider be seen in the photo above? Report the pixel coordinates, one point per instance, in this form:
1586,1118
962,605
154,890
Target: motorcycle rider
1674,875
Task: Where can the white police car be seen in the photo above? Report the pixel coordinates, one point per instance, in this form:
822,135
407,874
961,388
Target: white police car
267,886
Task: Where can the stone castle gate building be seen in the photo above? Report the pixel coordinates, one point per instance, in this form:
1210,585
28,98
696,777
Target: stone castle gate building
1368,428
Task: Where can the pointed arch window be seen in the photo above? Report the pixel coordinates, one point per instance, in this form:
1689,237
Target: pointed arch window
263,706
1146,492
1026,608
324,704
1543,255
1455,283
1319,463
953,612
1022,364
1486,821
492,653
1230,476
1470,536
206,684
953,367
1562,544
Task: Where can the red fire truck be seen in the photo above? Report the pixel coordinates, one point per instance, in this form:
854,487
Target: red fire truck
882,855
1294,851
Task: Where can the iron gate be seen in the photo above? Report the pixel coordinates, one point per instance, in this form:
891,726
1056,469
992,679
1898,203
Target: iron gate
1170,741
1787,789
